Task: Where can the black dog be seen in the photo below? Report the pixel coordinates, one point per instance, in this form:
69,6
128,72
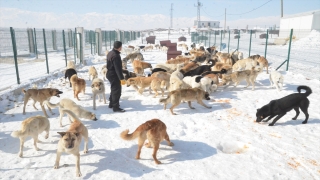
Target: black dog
201,69
281,106
157,70
127,74
69,72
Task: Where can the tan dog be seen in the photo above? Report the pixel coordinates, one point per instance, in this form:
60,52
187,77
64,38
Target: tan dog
39,95
188,67
224,58
164,76
78,85
214,78
98,88
70,141
143,82
177,96
68,104
33,126
238,76
92,73
263,63
103,72
139,66
154,130
179,60
219,66
245,64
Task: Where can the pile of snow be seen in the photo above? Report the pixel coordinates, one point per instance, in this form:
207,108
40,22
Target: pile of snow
312,41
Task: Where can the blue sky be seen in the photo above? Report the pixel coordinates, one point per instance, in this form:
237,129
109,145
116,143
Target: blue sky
182,8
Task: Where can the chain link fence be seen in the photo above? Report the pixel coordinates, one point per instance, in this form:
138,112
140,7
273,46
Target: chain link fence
26,55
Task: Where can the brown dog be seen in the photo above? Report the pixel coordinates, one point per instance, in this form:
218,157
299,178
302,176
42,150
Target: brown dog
39,95
177,96
78,85
71,139
263,63
154,130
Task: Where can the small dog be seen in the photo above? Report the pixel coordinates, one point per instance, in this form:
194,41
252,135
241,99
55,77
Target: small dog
78,85
154,130
70,141
72,106
103,72
39,95
33,126
177,96
276,79
98,88
69,72
92,73
280,107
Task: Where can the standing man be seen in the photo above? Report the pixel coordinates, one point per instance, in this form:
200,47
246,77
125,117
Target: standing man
115,76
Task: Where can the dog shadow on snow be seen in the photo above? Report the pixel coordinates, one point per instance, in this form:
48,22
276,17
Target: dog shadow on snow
123,159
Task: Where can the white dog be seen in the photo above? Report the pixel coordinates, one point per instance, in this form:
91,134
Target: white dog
72,106
176,80
276,79
98,88
204,83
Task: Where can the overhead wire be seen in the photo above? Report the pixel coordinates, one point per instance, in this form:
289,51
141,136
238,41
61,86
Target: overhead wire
252,9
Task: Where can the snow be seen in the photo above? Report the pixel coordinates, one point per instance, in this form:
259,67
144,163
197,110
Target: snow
219,143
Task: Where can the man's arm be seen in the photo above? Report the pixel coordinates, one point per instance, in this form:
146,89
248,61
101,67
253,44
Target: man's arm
118,67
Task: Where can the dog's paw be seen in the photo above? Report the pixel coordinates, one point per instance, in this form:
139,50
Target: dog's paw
78,174
294,118
37,149
56,167
304,122
21,155
158,162
271,124
85,151
171,144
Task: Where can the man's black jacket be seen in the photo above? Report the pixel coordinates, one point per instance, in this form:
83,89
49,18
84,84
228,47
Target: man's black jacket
114,64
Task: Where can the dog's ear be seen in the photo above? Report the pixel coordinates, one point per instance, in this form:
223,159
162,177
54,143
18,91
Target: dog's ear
92,86
51,91
100,83
62,133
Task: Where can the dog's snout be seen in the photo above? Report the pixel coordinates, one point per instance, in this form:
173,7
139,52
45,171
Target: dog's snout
95,119
70,146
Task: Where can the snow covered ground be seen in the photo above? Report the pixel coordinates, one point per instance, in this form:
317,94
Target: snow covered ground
219,143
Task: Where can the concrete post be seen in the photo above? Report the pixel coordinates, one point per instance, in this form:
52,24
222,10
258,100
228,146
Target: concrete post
98,41
54,40
30,40
80,44
70,38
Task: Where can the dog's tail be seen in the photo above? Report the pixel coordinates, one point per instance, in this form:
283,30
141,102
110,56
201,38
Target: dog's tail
142,128
166,100
308,90
70,114
19,133
24,91
52,105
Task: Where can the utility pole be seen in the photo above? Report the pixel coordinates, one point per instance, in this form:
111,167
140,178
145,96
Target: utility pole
171,14
225,22
199,5
281,8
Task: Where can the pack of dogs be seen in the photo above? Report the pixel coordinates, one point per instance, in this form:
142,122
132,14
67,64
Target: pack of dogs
187,78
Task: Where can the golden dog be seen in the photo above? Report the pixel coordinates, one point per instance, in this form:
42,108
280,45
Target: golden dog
238,76
154,130
78,85
263,63
70,141
177,96
33,126
143,82
98,89
92,73
39,95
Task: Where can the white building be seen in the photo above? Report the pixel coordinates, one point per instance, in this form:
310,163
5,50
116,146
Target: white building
301,24
206,24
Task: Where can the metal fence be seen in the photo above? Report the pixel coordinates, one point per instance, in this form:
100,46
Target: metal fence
28,54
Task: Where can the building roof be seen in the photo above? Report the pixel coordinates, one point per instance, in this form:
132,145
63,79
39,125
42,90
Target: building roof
301,14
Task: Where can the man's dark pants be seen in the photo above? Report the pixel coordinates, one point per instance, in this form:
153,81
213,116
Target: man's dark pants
115,91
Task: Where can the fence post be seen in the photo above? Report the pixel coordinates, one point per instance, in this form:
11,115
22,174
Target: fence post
110,32
215,37
209,38
35,42
54,39
220,40
30,40
14,48
250,42
75,45
45,49
64,46
265,50
229,41
289,50
238,40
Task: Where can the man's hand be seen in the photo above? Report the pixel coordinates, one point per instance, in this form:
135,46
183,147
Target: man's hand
123,82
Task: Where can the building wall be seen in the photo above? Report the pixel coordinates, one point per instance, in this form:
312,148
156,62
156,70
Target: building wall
300,25
316,21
